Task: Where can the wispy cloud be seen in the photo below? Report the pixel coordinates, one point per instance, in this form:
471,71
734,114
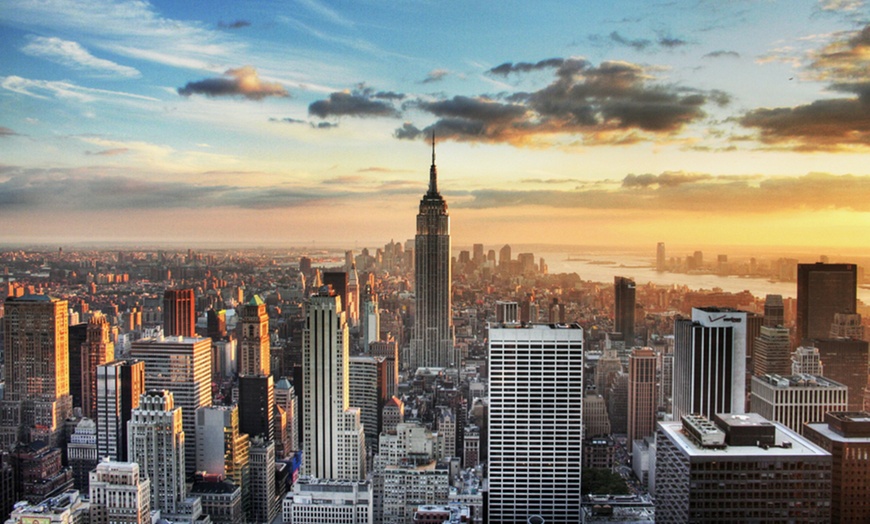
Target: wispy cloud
435,75
6,132
244,82
326,13
360,102
237,24
73,55
722,54
695,192
63,90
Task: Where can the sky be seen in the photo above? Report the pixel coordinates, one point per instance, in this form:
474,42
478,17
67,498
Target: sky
617,123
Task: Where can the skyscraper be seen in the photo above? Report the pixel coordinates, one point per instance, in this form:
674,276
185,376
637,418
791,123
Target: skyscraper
254,338
774,311
119,493
660,256
36,373
822,291
772,351
120,384
624,296
432,342
179,313
182,366
641,394
535,422
710,362
96,351
334,440
157,445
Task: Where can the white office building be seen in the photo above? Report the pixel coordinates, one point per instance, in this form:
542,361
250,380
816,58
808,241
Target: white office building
535,422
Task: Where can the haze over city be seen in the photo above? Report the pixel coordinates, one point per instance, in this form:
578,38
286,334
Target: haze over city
695,123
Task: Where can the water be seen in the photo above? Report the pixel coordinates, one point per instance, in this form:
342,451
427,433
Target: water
639,269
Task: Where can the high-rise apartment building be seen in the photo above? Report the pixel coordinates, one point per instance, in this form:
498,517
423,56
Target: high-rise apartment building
641,394
772,353
846,436
661,261
96,351
742,468
81,452
179,313
36,372
432,343
797,399
254,341
157,445
535,422
182,366
264,504
120,384
368,392
822,291
846,362
119,494
332,431
774,311
710,362
625,301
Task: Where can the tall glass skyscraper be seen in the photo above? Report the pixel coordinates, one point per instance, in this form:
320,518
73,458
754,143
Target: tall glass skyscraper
432,342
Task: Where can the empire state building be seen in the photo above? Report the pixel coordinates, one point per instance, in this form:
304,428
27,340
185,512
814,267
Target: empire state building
432,342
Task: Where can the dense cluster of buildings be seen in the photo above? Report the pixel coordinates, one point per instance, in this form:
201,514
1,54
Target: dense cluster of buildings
408,386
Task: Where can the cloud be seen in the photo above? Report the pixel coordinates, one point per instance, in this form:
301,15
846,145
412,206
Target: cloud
435,75
722,54
324,125
524,67
841,5
243,81
238,24
288,120
388,95
6,132
42,89
694,192
829,124
377,169
638,44
361,102
110,152
73,55
613,103
671,42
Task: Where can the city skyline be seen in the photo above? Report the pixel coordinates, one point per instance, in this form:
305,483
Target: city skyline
627,124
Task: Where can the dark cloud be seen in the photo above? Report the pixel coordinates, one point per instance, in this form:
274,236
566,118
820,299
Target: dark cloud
614,103
238,24
324,125
435,76
638,44
243,81
288,120
359,103
828,124
6,132
722,54
524,67
388,95
671,42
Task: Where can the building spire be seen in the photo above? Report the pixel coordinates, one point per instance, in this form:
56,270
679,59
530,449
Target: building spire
433,173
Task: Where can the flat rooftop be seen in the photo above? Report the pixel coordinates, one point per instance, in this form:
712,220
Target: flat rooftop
800,447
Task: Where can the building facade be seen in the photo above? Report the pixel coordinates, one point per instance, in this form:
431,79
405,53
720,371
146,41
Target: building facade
822,291
641,394
120,384
535,422
795,400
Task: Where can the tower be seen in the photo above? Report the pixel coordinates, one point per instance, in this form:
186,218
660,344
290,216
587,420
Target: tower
624,296
660,257
535,422
97,350
641,394
334,440
822,291
179,313
120,384
254,338
183,367
774,311
432,342
36,352
772,351
710,362
157,445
